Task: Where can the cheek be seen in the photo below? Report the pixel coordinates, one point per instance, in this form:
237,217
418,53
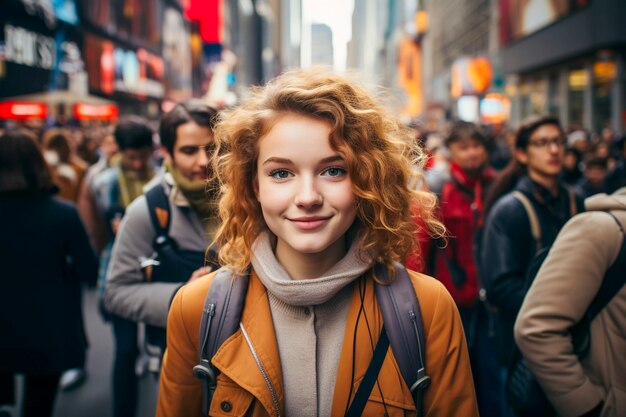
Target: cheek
344,198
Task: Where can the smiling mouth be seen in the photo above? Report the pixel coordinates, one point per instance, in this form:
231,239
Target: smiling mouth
309,223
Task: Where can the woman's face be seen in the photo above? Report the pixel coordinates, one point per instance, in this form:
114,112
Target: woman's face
304,189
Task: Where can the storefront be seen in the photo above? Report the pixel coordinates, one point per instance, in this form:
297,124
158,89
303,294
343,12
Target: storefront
570,63
38,50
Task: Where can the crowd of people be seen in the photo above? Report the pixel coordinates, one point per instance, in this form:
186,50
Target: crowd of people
315,195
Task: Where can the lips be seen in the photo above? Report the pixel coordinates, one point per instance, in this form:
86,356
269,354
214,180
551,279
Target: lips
309,222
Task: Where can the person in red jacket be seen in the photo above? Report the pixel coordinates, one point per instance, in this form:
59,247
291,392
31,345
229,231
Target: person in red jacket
453,262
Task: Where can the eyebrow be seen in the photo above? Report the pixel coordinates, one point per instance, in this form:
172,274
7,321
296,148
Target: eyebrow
334,158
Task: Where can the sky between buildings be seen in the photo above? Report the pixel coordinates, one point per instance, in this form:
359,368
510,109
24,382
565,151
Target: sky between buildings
338,15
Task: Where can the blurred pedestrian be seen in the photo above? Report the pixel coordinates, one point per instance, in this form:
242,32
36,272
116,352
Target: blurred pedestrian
572,171
526,193
562,295
594,177
45,256
68,170
114,190
87,206
462,210
315,179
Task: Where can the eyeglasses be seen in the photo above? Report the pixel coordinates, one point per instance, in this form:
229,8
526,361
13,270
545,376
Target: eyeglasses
546,142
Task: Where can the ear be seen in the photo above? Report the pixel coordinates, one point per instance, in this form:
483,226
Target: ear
166,154
521,155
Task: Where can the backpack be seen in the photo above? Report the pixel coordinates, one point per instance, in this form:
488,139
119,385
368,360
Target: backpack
403,330
170,263
524,394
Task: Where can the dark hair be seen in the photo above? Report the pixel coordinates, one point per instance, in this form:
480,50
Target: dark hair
22,167
461,130
507,178
133,132
593,161
189,111
528,127
57,140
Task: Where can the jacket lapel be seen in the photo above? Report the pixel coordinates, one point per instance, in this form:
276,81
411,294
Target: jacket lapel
235,359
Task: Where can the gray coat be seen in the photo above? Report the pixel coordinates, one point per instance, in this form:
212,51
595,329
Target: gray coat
127,295
560,295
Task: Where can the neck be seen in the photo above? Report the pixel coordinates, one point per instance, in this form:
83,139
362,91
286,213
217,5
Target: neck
301,265
549,182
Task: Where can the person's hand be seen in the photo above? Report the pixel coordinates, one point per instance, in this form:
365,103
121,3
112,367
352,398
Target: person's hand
199,273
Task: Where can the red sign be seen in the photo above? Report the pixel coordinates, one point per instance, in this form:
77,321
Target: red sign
95,111
16,110
209,13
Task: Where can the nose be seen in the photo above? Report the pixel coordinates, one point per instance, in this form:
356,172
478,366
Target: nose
203,158
138,165
308,195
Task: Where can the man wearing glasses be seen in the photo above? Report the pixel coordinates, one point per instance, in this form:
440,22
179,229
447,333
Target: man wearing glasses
527,206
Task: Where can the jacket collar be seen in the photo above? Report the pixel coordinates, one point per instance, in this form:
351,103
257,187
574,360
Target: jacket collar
235,359
539,192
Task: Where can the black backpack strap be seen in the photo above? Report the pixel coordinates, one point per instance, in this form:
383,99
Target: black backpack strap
402,316
159,209
220,319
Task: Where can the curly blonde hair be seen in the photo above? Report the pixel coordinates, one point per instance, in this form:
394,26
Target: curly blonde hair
379,152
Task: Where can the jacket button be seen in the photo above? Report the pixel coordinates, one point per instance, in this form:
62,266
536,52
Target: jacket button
226,406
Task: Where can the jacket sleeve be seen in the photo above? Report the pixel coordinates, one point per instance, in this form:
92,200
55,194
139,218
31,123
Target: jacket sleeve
505,254
180,392
447,361
126,293
558,298
82,253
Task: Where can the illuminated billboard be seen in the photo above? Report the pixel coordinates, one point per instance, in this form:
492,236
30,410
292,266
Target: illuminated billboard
520,18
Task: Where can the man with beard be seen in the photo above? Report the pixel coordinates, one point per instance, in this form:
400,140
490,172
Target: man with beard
136,287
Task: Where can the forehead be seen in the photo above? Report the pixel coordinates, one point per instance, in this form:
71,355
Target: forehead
466,141
293,134
193,134
545,131
144,152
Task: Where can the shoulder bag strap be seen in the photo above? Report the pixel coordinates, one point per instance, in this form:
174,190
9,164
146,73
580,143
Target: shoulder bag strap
402,316
159,209
221,315
535,227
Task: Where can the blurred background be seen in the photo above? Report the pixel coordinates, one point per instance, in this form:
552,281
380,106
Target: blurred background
85,62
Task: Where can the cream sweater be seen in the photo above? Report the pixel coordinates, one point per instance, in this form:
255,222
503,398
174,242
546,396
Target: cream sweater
309,318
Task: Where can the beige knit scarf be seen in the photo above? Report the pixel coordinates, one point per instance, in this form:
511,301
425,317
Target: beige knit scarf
305,292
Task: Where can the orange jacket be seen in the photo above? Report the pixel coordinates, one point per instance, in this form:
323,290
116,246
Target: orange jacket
241,387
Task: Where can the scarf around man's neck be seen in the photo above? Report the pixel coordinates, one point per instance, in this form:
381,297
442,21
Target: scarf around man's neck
201,195
131,185
475,186
305,292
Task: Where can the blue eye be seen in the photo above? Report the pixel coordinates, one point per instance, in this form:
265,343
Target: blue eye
280,174
335,172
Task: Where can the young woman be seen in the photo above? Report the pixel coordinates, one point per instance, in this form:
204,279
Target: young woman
314,192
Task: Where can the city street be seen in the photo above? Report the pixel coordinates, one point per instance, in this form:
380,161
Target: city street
93,398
